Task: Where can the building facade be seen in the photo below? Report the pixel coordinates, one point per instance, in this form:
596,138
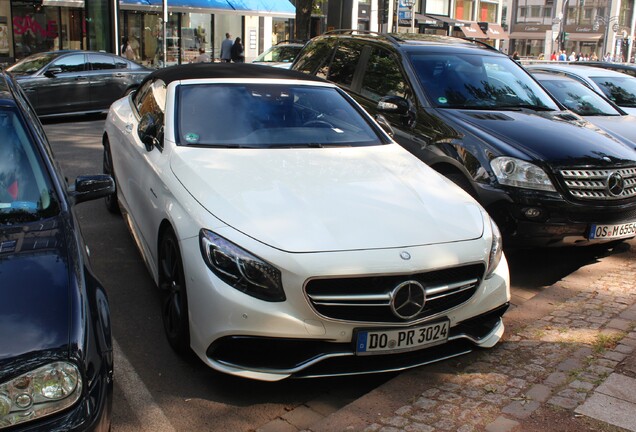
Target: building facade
601,28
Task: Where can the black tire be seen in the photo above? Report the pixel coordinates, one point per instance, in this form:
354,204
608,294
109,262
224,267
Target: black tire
112,205
174,298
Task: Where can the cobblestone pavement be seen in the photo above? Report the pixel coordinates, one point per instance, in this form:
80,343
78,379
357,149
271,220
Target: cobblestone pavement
544,369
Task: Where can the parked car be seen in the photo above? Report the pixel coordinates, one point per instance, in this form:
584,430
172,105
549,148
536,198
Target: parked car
593,107
289,235
629,69
56,358
76,82
281,55
479,118
617,87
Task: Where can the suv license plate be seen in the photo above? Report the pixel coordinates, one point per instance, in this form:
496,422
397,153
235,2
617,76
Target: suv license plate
612,231
405,339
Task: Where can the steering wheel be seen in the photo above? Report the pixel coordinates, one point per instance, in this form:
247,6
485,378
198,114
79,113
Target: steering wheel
318,123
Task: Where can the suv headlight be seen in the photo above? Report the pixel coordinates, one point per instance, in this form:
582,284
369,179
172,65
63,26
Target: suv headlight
240,269
41,392
496,249
515,172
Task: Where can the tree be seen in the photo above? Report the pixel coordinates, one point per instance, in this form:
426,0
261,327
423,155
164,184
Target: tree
303,19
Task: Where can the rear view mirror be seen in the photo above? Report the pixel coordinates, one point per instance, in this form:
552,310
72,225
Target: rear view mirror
52,71
88,188
393,105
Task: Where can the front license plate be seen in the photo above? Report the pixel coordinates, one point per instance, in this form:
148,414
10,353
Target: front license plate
612,231
404,339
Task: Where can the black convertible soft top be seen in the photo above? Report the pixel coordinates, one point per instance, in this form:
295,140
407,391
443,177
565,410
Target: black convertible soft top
226,70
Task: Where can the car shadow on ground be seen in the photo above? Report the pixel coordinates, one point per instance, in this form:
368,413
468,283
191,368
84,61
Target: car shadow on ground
535,268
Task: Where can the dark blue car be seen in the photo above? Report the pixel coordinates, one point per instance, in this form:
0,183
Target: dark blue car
56,358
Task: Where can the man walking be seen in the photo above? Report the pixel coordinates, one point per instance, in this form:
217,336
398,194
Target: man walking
226,49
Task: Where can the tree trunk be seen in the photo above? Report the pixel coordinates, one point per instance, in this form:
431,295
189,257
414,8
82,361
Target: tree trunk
303,19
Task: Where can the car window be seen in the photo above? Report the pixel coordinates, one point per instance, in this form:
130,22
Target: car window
383,76
32,64
267,115
120,63
71,63
279,53
101,62
344,63
460,80
25,191
620,90
315,58
578,98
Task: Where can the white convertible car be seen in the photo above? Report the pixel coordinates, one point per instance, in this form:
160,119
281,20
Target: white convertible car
289,234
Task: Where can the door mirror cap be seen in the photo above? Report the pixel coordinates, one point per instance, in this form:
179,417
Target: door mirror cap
393,105
87,188
52,72
384,123
147,131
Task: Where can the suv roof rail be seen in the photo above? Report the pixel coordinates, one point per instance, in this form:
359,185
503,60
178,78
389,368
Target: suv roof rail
286,41
354,32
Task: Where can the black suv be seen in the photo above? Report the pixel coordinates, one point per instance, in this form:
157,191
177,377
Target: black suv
545,175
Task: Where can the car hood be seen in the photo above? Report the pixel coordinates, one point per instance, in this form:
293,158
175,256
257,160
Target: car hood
556,138
328,199
623,127
35,306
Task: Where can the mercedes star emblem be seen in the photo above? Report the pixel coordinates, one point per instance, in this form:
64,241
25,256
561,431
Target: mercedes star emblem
615,184
408,299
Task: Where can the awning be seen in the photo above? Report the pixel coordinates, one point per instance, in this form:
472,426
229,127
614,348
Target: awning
279,8
527,35
472,30
64,3
440,18
585,36
495,31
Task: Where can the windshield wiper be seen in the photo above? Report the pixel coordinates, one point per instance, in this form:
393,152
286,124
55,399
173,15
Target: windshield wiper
523,106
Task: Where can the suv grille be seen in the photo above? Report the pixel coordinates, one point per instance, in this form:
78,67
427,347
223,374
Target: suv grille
601,184
368,299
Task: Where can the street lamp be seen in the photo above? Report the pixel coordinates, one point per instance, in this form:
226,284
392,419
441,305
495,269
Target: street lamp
607,21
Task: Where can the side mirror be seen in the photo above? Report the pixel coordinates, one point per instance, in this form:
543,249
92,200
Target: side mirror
147,131
393,105
52,71
384,123
87,188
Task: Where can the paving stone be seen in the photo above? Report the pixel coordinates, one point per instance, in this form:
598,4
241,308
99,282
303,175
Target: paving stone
521,409
502,424
277,425
569,365
619,386
613,355
539,393
562,402
610,410
581,385
556,379
302,417
418,427
621,324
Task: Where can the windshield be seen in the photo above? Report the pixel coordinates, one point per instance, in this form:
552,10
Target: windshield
578,97
477,81
32,64
279,54
620,90
25,191
269,115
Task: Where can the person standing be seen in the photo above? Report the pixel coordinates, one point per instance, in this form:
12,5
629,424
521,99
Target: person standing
126,49
237,51
553,57
226,49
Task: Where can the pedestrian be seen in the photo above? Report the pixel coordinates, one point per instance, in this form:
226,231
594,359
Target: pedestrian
553,57
203,57
572,56
562,56
237,51
126,50
226,49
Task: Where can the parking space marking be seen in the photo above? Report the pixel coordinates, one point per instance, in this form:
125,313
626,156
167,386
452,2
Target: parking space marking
148,413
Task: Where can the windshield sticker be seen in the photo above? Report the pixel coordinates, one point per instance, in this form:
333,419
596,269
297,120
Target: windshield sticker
442,100
192,138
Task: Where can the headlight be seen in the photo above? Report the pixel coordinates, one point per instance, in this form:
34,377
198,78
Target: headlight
518,173
39,393
240,269
496,249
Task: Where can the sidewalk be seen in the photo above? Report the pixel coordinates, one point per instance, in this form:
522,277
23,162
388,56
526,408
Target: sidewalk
566,363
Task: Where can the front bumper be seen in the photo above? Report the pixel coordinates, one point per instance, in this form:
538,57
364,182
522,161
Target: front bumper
309,358
555,221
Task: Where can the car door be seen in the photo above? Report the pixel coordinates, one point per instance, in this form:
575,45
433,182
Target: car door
67,87
108,80
139,164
